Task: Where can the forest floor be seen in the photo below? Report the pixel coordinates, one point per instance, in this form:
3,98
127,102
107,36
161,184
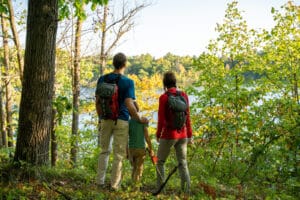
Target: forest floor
75,188
57,183
25,182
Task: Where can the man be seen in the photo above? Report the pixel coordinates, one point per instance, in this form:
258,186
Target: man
116,130
169,137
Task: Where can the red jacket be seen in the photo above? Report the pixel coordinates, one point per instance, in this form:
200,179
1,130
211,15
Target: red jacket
163,110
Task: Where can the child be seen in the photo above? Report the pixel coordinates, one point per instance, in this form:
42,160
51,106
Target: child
138,134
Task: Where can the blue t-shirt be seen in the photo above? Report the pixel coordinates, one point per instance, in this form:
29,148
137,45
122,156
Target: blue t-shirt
126,90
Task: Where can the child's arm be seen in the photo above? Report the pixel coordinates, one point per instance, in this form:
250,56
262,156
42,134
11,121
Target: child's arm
147,138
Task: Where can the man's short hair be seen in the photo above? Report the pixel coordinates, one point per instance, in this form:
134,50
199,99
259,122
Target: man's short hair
119,60
169,79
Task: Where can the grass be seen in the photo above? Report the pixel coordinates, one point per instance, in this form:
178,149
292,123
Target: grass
28,182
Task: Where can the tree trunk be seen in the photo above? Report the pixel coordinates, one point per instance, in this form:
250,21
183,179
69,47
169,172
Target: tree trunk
15,37
38,80
76,93
118,26
2,120
103,38
8,96
103,55
296,94
53,139
2,114
236,111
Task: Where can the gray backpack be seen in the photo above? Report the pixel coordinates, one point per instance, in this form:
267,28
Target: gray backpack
178,106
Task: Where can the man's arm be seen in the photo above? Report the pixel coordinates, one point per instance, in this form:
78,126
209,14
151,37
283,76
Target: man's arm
98,109
133,112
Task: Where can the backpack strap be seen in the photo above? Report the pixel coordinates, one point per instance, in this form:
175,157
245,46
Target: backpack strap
107,80
176,94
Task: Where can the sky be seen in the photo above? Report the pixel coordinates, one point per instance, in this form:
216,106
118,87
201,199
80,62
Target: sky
184,27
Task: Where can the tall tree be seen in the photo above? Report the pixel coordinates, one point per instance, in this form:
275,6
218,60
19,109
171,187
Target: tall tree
8,88
283,49
2,117
103,39
15,37
37,87
76,90
77,11
234,34
113,26
282,73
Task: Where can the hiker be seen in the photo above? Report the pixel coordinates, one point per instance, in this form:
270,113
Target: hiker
138,136
169,136
113,119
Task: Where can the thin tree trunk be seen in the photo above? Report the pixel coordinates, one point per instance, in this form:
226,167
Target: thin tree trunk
218,156
103,55
53,140
296,88
2,113
2,120
35,113
8,96
295,145
118,26
1,124
76,93
236,111
15,37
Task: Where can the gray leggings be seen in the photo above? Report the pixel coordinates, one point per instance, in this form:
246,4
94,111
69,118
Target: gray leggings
164,149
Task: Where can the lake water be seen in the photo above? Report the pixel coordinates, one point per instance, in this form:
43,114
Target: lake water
85,119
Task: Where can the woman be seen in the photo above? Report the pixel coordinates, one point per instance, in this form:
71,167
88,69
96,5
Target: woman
169,136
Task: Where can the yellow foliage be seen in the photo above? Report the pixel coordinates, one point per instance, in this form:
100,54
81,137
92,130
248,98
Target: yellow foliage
106,70
147,91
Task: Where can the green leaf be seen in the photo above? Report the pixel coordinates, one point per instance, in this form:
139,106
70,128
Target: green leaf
3,9
272,10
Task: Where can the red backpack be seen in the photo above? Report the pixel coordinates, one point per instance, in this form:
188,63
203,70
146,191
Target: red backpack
107,93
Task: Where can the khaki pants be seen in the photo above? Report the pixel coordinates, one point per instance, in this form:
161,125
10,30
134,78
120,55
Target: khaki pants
113,136
137,158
